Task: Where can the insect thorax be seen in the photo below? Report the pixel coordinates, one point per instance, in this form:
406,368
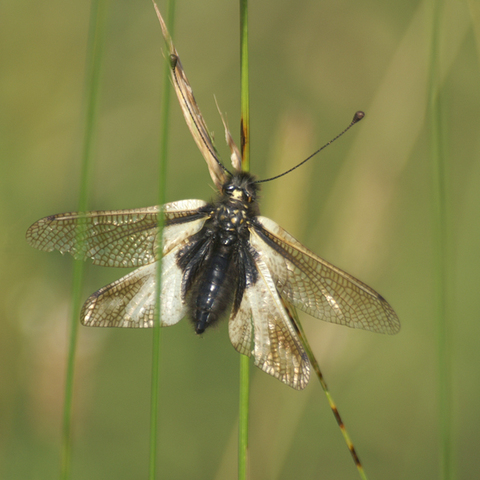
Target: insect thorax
231,219
217,263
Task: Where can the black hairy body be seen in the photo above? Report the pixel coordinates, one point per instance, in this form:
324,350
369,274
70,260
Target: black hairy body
217,262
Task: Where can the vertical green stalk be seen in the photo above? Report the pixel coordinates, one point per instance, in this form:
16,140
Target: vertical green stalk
303,338
245,149
162,176
243,416
441,250
98,11
244,88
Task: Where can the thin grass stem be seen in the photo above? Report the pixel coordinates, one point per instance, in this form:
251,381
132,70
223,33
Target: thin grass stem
243,417
162,176
97,26
245,150
438,155
244,87
303,338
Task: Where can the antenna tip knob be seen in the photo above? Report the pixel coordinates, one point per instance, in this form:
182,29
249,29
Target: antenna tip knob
358,116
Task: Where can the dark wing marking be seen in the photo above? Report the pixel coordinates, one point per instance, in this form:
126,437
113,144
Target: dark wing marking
316,286
130,301
116,238
261,327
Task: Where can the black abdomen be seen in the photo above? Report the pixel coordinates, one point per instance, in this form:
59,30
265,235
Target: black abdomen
216,264
213,290
209,275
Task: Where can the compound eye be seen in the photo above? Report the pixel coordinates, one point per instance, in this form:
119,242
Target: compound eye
229,190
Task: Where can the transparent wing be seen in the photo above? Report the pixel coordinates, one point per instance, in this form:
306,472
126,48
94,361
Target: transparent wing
316,286
261,327
116,238
130,301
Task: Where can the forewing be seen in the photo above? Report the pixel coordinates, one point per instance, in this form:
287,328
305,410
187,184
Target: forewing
191,111
116,238
261,327
318,287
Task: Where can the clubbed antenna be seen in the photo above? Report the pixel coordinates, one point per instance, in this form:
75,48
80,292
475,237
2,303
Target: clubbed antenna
356,118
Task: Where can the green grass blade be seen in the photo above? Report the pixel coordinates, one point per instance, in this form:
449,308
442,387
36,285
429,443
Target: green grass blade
96,34
438,154
244,87
243,417
162,176
245,149
295,320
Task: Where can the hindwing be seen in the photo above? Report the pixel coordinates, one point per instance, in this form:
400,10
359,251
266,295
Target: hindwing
130,301
261,328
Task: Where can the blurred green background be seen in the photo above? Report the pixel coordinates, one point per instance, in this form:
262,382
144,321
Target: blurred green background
365,204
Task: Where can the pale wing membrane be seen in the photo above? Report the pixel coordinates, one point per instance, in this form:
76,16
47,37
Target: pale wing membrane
262,328
191,111
316,286
116,238
130,301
